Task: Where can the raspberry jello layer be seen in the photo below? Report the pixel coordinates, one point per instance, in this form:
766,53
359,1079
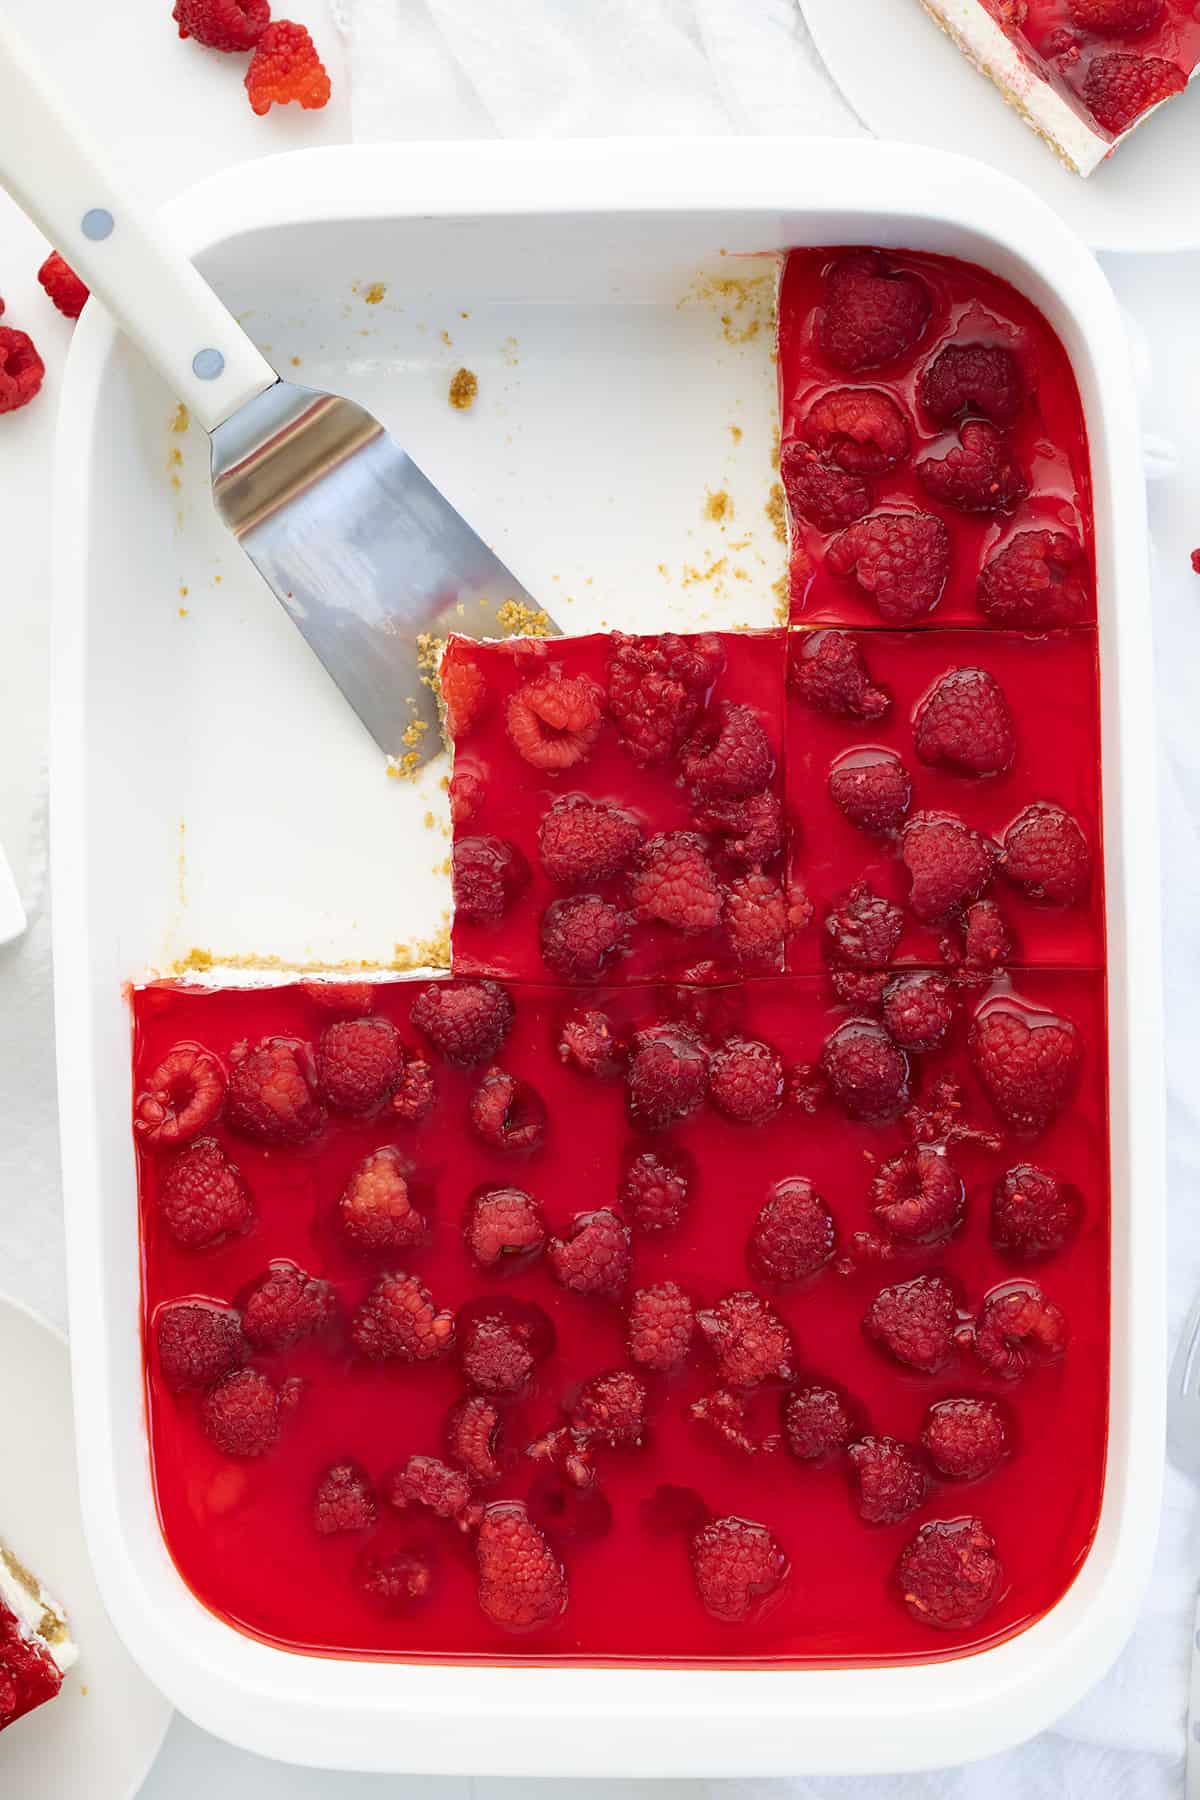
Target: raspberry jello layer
36,1649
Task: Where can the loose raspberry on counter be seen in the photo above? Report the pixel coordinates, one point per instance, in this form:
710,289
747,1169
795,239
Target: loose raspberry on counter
554,720
949,1575
964,721
349,998
673,883
611,1409
522,1583
746,1081
270,1098
1121,86
473,1437
1017,1326
830,675
655,1190
758,918
21,369
344,1500
588,1041
416,1091
398,1320
862,430
949,864
426,1481
737,1565
890,1478
1047,855
972,378
1033,1213
666,1076
507,1114
198,1342
222,24
180,1097
748,1340
862,929
1027,1060
467,794
463,689
656,687
818,491
581,841
914,1321
661,1323
1037,580
240,1413
918,1195
581,935
501,1343
203,1198
902,560
376,1214
794,1234
284,1305
466,1021
63,286
866,1073
595,1255
728,756
965,1439
285,66
871,314
872,787
818,1421
504,1225
918,1010
398,1583
978,474
359,1063
486,875
750,831
728,1417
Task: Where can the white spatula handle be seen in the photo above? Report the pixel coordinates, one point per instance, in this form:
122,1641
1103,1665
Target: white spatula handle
59,177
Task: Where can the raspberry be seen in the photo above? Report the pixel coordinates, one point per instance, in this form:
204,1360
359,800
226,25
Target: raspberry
794,1234
63,285
1047,855
588,1042
222,24
728,756
1038,580
866,1073
674,883
570,1456
398,1320
522,1584
396,1583
965,1439
359,1062
467,794
203,1197
745,1081
21,369
507,1114
356,997
344,1500
198,1342
425,1481
1016,1325
1010,15
1033,1213
829,675
978,474
871,314
726,1414
554,721
595,1255
1026,1058
486,877
1120,87
736,1565
376,1212
972,378
890,1478
817,1421
985,944
655,1191
611,1408
825,496
285,66
964,721
581,936
863,929
750,830
900,559
942,1119
659,1333
918,1011
467,1021
949,1575
949,864
181,1096
656,687
270,1096
871,787
504,1225
918,1196
666,1076
240,1413
861,989
473,1437
748,1339
914,1322
284,1305
758,918
416,1092
464,692
581,841
1115,16
862,430
501,1344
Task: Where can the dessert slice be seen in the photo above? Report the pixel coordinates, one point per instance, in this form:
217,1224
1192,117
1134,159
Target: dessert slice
35,1641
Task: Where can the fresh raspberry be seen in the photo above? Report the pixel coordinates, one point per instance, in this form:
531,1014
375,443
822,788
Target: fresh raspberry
1120,87
270,1097
918,1195
914,1322
595,1255
794,1234
728,756
203,1198
501,1343
467,794
21,369
398,1320
181,1096
1047,855
964,721
222,24
863,929
758,917
949,1575
817,1422
581,841
504,1225
860,989
656,687
949,864
750,830
426,1481
376,1212
240,1413
1033,1213
890,1478
727,1415
581,935
824,495
749,1341
486,876
900,559
1115,16
507,1114
522,1583
965,1439
985,942
344,1500
829,675
972,378
359,1062
416,1091
63,285
1026,1058
978,474
746,1081
198,1342
736,1565
862,430
655,1191
554,721
674,883
1016,1326
867,1074
396,1583
285,66
611,1409
661,1322
1038,580
1195,560
345,997
467,1021
284,1305
872,788
918,1010
464,691
666,1076
871,314
473,1437
587,1041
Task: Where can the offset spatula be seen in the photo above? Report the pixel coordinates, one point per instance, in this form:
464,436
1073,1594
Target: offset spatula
358,546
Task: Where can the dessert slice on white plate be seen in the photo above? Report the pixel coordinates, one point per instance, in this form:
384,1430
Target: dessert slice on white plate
1082,73
36,1649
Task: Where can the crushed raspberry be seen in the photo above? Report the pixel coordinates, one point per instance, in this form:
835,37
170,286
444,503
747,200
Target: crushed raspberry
554,721
467,1021
522,1584
949,1575
344,1500
949,864
501,1343
666,1076
828,497
728,756
817,1422
1033,1213
973,378
860,989
862,430
890,1478
871,314
900,559
346,997
918,1011
1038,580
611,1408
942,1119
794,1234
464,692
570,1456
594,1257
63,285
467,794
830,675
1047,855
866,1073
964,721
727,1415
587,1041
863,929
285,66
359,1062
396,1583
1120,87
416,1091
198,1342
507,1114
758,916
736,1565
399,1320
675,884
1115,16
965,1439
918,1195
284,1305
21,369
203,1197
746,1081
222,24
426,1481
240,1413
655,1190
659,1332
914,1322
504,1224
872,788
1027,1060
473,1437
376,1212
748,1340
581,841
656,687
1017,1326
270,1097
985,945
486,876
750,831
181,1096
978,474
581,935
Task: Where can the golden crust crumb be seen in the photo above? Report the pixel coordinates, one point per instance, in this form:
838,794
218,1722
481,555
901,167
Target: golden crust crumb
464,386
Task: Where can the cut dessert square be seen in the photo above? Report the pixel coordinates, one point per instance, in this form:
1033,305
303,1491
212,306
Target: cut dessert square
35,1641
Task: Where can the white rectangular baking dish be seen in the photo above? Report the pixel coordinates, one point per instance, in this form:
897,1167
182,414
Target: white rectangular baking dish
209,789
